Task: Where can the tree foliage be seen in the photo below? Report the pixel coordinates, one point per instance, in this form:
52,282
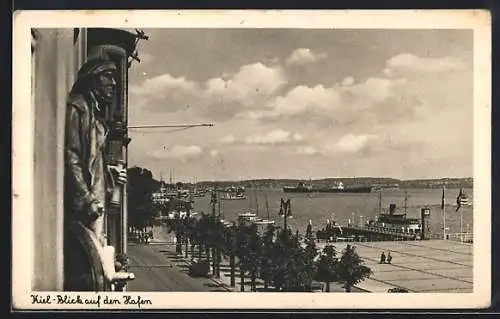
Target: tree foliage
351,268
140,187
327,271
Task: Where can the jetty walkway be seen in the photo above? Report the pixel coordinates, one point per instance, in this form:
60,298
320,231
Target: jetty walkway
417,266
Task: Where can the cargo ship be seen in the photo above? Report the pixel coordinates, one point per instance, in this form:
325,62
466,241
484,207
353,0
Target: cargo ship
337,188
300,188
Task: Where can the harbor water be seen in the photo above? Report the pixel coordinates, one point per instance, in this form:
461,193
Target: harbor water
344,207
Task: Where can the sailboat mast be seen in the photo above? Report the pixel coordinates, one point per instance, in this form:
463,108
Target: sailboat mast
406,201
256,201
380,200
267,206
218,204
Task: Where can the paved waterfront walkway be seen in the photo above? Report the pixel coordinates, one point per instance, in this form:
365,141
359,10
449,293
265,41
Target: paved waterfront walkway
418,266
167,249
157,268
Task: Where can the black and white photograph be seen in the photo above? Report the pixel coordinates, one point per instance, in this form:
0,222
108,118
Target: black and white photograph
176,159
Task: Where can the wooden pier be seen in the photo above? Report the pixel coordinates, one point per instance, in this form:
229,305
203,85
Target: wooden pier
376,233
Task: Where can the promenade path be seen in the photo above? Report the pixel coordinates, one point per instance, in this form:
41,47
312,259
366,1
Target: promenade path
418,266
156,268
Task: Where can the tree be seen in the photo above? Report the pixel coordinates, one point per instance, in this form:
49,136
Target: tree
310,253
248,244
192,234
204,226
189,222
141,186
351,270
242,249
289,269
309,231
267,256
229,249
326,266
177,226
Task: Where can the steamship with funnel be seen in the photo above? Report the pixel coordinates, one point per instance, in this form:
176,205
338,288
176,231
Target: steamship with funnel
395,221
337,188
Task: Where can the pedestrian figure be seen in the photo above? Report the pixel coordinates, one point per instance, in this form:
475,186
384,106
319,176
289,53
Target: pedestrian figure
382,258
389,257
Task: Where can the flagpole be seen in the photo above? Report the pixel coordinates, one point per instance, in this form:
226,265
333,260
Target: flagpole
461,224
443,204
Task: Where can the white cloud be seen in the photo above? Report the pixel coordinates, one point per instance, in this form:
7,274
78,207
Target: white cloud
228,139
274,137
388,72
306,150
410,62
250,82
162,83
375,89
214,153
297,137
220,97
178,152
351,143
304,99
347,81
303,56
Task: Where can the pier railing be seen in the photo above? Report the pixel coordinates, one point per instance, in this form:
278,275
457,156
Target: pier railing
461,237
385,231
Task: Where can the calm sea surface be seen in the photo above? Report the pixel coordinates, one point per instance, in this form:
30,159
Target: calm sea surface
342,207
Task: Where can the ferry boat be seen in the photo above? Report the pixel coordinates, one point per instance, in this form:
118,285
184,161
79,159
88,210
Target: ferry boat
234,193
161,196
398,222
393,221
252,218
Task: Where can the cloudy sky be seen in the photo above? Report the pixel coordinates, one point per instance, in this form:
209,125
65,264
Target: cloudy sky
290,103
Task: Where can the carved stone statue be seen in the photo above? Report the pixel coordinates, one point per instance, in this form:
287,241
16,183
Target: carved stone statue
88,179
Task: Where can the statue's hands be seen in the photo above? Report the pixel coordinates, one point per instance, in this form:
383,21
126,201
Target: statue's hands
119,173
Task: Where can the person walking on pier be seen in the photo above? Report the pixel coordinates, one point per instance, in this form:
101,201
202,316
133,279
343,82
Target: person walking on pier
389,257
382,258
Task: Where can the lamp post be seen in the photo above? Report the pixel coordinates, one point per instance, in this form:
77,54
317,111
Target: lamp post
285,212
213,201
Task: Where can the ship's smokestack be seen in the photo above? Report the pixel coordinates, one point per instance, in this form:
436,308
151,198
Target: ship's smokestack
392,209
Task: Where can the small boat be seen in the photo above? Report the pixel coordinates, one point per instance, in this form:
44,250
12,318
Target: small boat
234,193
247,217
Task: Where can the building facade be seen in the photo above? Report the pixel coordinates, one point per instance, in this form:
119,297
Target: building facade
56,56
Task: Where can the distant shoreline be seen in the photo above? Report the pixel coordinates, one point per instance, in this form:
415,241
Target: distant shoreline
384,183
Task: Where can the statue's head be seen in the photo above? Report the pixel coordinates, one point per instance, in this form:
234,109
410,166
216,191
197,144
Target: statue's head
99,75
